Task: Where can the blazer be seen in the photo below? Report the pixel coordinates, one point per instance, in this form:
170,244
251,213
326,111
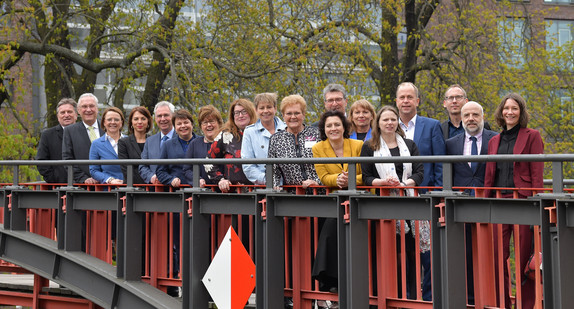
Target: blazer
102,150
445,131
462,174
171,150
128,148
151,151
430,142
370,172
526,174
76,146
328,172
50,148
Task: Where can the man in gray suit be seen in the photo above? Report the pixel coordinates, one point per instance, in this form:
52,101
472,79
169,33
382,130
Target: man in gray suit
78,137
163,112
50,146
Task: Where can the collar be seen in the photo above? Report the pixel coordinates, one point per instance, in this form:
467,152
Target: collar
478,136
413,121
169,134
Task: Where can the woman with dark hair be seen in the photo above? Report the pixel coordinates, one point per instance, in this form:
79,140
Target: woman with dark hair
362,114
130,147
388,139
228,145
106,148
175,148
211,122
515,138
334,131
335,142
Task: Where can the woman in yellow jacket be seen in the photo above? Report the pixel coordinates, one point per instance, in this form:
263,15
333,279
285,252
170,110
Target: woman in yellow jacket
334,129
335,142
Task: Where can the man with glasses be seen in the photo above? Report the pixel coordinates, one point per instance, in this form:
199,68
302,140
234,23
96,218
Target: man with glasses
78,137
454,99
335,97
163,112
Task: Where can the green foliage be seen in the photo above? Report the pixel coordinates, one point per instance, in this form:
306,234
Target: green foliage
236,48
16,144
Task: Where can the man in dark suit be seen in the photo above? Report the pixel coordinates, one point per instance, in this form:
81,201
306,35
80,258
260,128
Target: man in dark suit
78,137
163,112
50,146
454,99
467,174
427,135
464,173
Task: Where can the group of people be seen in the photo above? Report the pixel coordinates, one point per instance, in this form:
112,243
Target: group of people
253,130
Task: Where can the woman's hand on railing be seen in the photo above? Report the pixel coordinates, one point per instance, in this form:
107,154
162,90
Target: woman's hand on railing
309,182
390,181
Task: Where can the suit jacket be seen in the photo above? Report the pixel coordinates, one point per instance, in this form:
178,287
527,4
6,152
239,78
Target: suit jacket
50,148
151,151
526,174
166,173
76,146
128,148
328,172
102,150
463,176
430,142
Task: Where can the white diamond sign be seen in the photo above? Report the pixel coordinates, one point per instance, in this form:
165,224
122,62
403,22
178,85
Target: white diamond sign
230,278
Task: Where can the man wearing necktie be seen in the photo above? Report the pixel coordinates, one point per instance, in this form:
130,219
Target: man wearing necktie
470,174
163,113
78,137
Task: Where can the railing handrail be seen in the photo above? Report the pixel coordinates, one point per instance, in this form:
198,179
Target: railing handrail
398,159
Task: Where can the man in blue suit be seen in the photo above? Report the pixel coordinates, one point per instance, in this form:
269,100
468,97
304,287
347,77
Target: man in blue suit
467,174
425,132
427,135
163,112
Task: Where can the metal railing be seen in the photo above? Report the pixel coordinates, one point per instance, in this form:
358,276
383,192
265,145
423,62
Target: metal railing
446,210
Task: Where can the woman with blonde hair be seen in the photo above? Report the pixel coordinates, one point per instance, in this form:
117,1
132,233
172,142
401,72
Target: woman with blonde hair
362,114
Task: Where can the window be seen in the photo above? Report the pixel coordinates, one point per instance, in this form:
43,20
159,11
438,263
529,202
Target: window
513,35
559,1
559,41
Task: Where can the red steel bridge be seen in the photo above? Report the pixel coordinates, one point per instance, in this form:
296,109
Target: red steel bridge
124,246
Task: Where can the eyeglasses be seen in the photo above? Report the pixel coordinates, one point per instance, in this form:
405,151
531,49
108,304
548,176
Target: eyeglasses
454,97
241,112
208,122
338,100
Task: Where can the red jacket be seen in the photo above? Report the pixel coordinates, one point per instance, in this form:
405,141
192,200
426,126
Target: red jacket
526,174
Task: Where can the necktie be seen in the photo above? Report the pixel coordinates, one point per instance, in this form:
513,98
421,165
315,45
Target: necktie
92,133
474,152
163,139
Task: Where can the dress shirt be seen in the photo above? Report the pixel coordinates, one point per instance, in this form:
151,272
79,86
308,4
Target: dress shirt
96,129
468,144
113,142
454,131
255,144
409,128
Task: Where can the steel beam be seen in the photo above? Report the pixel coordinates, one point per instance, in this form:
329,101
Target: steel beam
85,275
